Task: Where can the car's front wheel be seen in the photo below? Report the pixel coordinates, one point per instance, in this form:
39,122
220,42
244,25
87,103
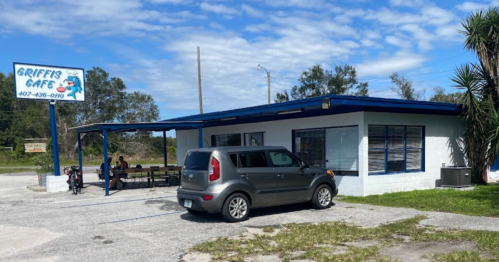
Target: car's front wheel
236,208
323,197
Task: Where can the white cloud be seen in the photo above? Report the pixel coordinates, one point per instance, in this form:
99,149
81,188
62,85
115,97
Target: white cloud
175,2
219,9
437,16
252,11
423,37
408,3
472,6
89,18
386,65
296,3
397,41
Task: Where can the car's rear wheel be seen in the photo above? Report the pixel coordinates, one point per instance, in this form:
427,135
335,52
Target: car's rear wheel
236,208
197,212
323,197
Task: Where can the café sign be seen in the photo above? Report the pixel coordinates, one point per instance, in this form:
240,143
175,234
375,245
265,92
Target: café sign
43,82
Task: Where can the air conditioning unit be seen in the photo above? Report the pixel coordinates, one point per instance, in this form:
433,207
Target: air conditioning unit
453,176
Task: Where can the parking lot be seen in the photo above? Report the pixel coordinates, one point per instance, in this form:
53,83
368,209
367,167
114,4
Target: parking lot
148,225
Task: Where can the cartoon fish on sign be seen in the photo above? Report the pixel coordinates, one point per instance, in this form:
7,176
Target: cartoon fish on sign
74,83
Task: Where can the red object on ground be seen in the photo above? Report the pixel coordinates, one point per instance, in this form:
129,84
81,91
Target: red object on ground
61,89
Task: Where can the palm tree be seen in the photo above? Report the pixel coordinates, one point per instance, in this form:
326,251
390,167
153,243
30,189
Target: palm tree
480,101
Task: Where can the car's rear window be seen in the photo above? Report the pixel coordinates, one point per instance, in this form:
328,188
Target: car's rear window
197,160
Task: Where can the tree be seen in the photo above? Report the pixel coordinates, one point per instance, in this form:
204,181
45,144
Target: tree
108,102
318,82
440,96
480,101
139,107
404,89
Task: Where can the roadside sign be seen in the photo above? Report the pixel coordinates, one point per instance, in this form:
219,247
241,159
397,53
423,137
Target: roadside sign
44,82
35,147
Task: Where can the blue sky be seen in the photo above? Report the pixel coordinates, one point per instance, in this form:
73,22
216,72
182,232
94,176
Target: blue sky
151,44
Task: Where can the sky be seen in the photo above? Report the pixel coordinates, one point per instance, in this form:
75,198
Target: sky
152,44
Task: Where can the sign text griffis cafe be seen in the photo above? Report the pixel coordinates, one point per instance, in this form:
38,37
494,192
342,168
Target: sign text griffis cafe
43,82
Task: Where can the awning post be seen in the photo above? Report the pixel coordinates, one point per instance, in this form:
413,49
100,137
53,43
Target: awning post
165,153
80,160
106,163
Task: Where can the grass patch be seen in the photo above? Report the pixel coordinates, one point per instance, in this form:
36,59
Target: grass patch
482,201
332,241
14,170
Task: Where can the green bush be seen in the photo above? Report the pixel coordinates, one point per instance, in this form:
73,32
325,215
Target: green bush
45,162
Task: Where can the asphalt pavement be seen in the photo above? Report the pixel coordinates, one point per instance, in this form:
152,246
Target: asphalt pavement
146,224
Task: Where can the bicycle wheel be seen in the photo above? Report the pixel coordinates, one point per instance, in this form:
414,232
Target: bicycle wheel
74,184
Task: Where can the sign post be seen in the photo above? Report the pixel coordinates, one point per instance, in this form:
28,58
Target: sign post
52,83
55,144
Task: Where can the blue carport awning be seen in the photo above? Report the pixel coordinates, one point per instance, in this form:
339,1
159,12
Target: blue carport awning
104,128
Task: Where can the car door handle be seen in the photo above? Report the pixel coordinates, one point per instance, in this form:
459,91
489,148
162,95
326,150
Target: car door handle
245,176
280,175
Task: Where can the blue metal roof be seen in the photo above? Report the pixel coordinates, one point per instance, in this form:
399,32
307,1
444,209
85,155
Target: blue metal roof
313,107
131,127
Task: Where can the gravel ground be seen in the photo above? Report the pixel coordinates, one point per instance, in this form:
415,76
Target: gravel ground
146,224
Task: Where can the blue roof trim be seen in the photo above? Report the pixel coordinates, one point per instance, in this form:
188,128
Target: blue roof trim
338,104
124,127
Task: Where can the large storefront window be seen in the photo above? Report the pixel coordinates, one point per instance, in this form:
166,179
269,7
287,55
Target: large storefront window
395,149
335,148
226,140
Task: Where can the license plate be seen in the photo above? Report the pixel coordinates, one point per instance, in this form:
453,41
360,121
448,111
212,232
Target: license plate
188,203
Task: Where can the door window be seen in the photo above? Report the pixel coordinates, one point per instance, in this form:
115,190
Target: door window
253,159
282,159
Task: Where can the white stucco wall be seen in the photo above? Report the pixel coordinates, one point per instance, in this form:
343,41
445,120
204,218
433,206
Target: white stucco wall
279,133
440,146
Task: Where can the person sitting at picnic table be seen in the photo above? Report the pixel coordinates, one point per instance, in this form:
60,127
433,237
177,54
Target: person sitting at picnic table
114,179
122,165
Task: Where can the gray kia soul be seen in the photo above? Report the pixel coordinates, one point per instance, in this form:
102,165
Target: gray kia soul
234,179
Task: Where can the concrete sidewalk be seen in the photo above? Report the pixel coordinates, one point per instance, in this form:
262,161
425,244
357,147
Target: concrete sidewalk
148,225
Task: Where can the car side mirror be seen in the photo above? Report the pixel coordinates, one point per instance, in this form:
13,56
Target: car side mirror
303,165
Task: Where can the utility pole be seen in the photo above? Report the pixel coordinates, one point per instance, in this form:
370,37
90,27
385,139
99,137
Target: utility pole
199,83
259,67
268,86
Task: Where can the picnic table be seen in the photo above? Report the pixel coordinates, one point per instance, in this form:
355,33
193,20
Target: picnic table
150,171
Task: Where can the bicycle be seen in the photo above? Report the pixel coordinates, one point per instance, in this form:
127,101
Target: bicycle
74,180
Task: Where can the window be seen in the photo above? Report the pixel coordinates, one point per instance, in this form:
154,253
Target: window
282,159
395,149
309,146
197,160
233,158
253,159
253,139
342,150
226,140
334,148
